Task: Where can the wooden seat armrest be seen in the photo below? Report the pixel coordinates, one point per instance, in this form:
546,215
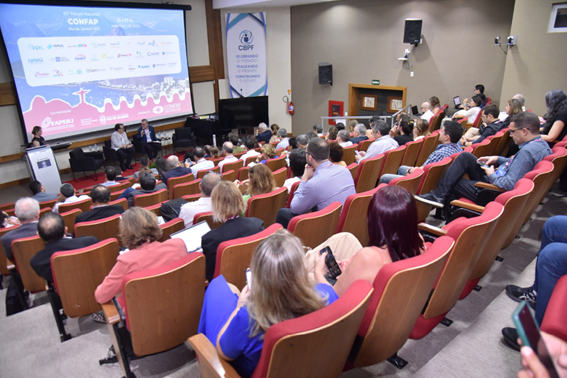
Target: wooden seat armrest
485,185
469,206
209,361
10,265
431,229
110,312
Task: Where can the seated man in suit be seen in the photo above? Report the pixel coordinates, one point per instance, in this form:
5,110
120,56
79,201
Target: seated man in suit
27,211
175,169
147,184
264,133
147,135
51,228
101,209
203,204
359,134
68,196
39,192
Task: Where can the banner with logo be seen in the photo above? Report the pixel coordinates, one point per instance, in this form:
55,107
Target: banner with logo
246,54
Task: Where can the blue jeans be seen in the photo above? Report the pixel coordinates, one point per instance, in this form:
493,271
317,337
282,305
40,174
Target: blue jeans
385,179
551,262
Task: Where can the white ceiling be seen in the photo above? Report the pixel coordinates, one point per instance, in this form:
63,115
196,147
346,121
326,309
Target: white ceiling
221,4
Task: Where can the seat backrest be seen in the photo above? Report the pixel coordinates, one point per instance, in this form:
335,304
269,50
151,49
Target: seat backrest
77,273
400,292
243,173
234,256
349,154
554,318
485,148
229,176
432,173
102,229
559,160
368,172
503,144
208,217
435,121
145,200
216,161
280,176
122,202
429,143
192,197
203,172
266,206
156,209
314,228
43,205
540,176
69,218
470,235
119,187
354,215
393,160
7,206
168,228
164,304
316,344
24,249
3,260
291,193
412,150
250,159
178,180
410,182
77,153
363,146
115,195
280,151
234,166
84,205
353,169
277,163
185,189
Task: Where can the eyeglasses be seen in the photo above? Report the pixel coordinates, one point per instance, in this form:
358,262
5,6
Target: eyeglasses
512,131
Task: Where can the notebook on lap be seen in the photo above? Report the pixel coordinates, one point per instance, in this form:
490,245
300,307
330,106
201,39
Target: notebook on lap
192,236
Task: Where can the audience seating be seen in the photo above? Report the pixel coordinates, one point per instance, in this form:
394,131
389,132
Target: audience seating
280,176
144,200
429,144
410,182
115,195
168,228
176,181
363,146
208,217
234,256
541,176
292,193
180,190
156,209
102,229
4,271
276,163
280,151
313,345
119,187
368,173
203,172
266,206
76,275
154,324
239,154
314,228
232,166
7,206
23,250
122,202
502,147
216,161
84,205
432,173
554,318
353,168
192,197
69,219
349,154
392,160
229,176
354,215
250,159
559,160
412,150
471,236
243,174
401,290
139,146
44,204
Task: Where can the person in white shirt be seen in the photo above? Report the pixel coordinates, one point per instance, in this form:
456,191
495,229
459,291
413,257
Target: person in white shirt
318,129
227,153
284,142
110,173
200,161
383,141
67,196
250,145
471,111
203,204
426,110
121,144
343,137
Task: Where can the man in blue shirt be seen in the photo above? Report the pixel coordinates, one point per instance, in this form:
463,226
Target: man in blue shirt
524,130
449,136
322,183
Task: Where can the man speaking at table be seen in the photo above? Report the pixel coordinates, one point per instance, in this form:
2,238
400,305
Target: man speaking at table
147,135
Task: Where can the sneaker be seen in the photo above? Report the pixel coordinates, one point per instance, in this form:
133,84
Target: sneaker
98,317
519,294
430,199
511,338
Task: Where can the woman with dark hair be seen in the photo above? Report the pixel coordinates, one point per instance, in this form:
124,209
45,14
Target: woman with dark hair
297,162
274,128
161,166
332,135
336,154
435,104
37,139
405,129
393,236
554,130
471,111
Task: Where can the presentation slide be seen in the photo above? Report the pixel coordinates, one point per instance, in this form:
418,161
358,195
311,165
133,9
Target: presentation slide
84,69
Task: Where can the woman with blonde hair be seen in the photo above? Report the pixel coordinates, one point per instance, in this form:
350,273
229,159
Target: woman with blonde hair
268,152
279,290
420,129
260,181
351,125
275,137
139,232
227,205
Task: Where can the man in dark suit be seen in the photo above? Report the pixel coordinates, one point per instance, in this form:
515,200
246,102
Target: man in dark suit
27,211
147,135
51,228
148,185
101,209
359,134
264,133
39,193
175,169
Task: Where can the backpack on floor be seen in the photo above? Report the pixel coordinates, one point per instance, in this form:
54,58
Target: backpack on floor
171,209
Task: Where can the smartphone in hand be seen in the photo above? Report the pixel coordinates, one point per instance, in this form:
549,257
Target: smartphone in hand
331,262
248,277
482,165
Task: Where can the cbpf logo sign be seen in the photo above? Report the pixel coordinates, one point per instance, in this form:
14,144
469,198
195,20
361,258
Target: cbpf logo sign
246,37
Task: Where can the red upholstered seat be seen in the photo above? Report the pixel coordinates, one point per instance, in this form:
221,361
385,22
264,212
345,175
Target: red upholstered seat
291,193
410,182
412,150
314,228
368,173
392,160
276,163
554,318
266,206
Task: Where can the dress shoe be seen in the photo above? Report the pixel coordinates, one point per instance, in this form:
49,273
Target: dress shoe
519,294
129,166
511,338
430,199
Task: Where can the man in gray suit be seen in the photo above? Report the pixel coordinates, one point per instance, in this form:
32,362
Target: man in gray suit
39,192
27,211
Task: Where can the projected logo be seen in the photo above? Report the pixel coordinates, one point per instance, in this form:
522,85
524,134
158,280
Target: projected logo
152,43
123,55
139,54
35,61
41,74
158,109
61,59
80,57
102,119
153,53
35,47
146,66
57,73
46,122
95,45
168,53
105,56
94,58
246,37
82,45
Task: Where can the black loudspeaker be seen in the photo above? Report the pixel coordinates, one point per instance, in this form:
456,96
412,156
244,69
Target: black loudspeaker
412,31
325,73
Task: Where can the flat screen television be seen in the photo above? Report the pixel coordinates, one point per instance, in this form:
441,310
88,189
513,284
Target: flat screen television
243,112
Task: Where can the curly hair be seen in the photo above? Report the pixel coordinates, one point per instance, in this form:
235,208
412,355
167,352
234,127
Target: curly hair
556,102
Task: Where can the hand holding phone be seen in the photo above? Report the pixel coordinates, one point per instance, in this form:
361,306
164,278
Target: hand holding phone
482,165
331,263
248,277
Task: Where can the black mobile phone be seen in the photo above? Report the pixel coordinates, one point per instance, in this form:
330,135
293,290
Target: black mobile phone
530,335
332,265
482,165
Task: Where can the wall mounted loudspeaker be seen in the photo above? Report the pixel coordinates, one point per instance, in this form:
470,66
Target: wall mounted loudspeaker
412,31
325,73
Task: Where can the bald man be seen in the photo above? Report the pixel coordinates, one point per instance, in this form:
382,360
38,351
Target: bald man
27,211
176,169
227,150
203,204
426,110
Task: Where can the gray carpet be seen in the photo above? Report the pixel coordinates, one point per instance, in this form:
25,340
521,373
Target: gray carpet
470,347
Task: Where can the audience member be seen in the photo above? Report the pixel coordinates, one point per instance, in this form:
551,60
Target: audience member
119,177
520,97
351,124
554,130
264,134
284,140
426,110
434,104
227,206
274,128
145,165
260,181
7,221
39,194
147,185
227,153
318,129
359,134
383,141
150,143
162,167
332,135
343,138
312,135
292,144
336,153
120,143
280,291
101,209
322,183
490,126
200,162
37,139
139,232
207,149
268,152
251,144
420,129
176,169
371,122
110,173
534,368
471,110
27,211
449,136
478,91
236,147
513,107
67,196
203,204
297,162
302,141
215,152
340,126
405,128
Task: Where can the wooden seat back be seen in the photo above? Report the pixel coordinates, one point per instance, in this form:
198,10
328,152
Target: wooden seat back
243,173
176,181
559,160
266,206
485,148
145,200
363,146
280,176
410,182
432,173
540,175
69,218
292,193
3,260
502,147
115,195
412,151
250,159
229,176
44,204
353,169
354,215
234,166
208,217
429,144
192,197
393,160
168,228
84,205
102,229
349,154
368,173
203,172
77,274
277,163
314,228
185,189
119,187
23,250
156,209
122,202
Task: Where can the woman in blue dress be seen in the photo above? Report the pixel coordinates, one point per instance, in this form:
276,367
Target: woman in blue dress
278,290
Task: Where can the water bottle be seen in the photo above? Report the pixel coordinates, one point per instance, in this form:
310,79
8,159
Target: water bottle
95,148
91,148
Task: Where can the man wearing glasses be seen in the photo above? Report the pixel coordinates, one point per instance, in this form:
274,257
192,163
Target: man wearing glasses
383,142
491,125
524,130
